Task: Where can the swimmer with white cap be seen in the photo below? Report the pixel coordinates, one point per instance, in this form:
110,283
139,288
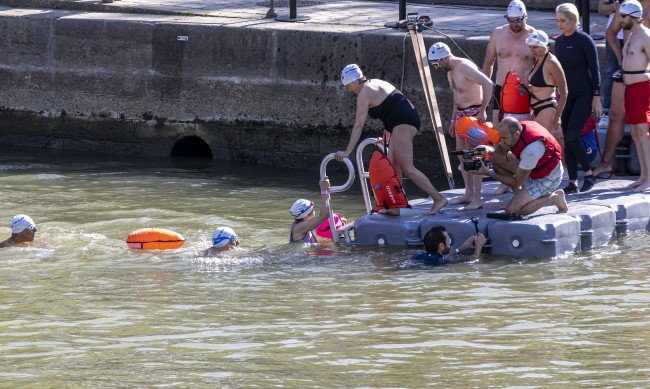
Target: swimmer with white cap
381,100
306,220
23,230
223,239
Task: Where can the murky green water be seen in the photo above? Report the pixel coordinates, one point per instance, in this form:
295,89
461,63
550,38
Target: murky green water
79,309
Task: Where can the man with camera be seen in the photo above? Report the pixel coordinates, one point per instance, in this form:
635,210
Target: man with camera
472,92
528,160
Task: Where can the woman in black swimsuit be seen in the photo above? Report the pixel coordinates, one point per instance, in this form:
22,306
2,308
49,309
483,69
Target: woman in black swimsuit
383,101
545,77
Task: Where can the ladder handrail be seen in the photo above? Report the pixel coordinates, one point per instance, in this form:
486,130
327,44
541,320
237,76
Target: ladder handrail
363,174
335,189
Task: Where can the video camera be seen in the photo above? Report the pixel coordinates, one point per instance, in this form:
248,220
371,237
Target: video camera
475,156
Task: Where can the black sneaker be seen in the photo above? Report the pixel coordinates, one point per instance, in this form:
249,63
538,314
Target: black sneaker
588,183
571,188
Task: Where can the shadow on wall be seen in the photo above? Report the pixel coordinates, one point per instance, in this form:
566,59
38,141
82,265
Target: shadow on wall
191,146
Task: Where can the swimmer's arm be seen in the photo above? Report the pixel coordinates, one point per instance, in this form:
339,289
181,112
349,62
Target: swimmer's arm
559,79
612,40
362,114
484,81
301,229
490,56
604,8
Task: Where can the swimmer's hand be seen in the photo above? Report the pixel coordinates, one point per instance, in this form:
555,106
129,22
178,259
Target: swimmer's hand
482,117
324,184
339,155
452,130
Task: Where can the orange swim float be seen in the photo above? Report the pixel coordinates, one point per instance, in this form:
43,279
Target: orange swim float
386,185
514,100
154,239
470,130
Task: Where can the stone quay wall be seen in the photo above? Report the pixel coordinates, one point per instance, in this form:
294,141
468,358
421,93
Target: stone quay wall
127,84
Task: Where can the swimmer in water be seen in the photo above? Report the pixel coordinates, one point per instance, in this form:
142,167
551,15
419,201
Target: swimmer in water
223,239
23,231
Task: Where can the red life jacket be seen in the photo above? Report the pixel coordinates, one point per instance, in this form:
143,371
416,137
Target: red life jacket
386,185
532,132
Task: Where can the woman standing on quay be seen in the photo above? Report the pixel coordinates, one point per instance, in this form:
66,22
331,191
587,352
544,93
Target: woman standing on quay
577,54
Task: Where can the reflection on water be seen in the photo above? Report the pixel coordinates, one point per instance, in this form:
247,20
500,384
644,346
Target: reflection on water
78,309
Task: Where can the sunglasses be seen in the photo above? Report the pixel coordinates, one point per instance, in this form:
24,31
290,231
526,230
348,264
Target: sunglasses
518,20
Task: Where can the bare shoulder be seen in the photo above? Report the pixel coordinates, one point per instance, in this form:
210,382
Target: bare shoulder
466,65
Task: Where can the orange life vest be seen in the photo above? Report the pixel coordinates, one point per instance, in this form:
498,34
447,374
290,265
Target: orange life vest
386,185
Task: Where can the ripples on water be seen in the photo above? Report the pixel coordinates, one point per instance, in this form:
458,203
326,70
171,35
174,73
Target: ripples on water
80,310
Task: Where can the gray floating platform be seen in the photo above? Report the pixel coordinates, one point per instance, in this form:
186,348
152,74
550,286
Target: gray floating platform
593,220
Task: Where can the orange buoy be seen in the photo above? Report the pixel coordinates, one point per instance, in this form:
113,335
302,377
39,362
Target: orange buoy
470,130
154,239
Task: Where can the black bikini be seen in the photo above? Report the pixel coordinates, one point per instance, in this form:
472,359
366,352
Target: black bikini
537,80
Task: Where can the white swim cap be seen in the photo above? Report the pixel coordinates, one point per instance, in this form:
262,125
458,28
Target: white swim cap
222,236
516,9
21,222
632,8
537,38
301,208
350,73
438,51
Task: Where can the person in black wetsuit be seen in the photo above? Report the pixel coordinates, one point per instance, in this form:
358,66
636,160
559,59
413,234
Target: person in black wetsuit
381,100
438,244
576,52
545,78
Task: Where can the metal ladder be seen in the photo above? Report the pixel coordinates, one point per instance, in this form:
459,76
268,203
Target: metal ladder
335,189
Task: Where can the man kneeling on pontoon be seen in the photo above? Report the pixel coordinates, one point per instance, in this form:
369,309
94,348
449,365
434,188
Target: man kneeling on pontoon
528,160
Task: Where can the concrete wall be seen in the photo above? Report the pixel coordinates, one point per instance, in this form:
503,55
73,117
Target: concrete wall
76,81
124,84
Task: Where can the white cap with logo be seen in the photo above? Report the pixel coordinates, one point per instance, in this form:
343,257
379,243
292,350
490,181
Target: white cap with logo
631,8
438,51
350,74
516,9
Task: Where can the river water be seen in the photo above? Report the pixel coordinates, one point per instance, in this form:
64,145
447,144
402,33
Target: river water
78,309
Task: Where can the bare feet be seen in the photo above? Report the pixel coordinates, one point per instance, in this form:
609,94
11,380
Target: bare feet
437,206
642,188
636,183
473,206
559,199
461,200
502,189
603,168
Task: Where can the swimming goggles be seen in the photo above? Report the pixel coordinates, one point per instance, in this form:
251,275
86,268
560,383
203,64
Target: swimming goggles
435,62
518,20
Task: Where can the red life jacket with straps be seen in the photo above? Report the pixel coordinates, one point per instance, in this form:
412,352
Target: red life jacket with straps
532,132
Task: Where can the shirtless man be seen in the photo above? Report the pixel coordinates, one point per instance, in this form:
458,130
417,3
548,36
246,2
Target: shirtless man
23,230
616,36
508,47
472,92
636,76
